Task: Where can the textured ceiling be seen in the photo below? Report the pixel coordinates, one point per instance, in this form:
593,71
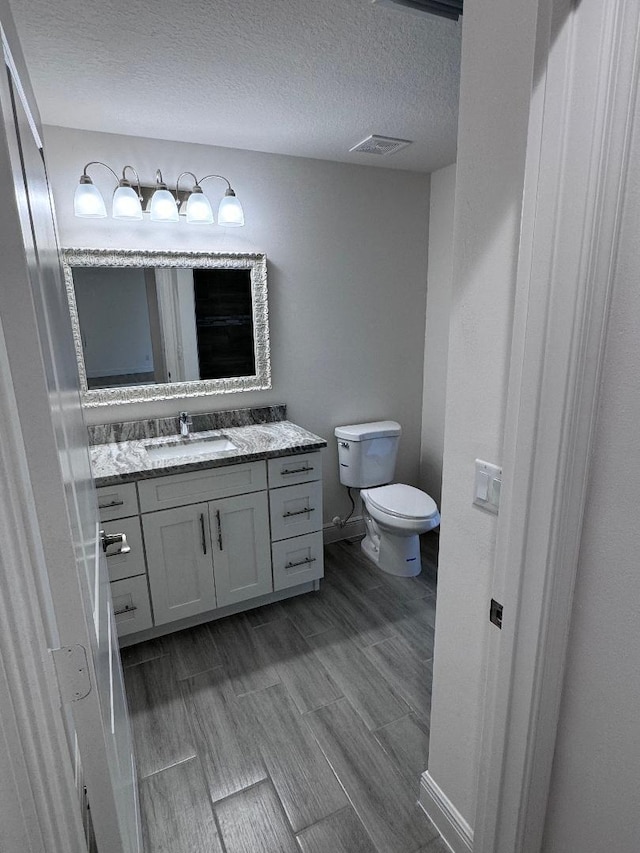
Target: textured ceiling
286,76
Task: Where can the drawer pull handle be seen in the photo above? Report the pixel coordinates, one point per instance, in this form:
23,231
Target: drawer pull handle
204,537
219,530
128,608
110,504
299,512
296,470
108,539
300,562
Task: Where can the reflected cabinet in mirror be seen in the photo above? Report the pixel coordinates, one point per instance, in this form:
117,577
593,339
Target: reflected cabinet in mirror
157,325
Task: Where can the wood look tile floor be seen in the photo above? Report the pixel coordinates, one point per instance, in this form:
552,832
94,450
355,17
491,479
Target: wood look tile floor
300,726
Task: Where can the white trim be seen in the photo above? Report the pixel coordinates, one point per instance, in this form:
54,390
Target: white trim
454,829
587,56
19,88
351,530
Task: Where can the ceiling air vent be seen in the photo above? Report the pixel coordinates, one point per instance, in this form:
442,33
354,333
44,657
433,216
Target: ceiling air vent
445,8
380,145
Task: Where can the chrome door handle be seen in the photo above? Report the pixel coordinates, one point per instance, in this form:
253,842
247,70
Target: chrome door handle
219,530
107,539
110,504
128,608
299,512
300,563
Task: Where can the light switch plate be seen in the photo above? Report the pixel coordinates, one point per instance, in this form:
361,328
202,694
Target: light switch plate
487,485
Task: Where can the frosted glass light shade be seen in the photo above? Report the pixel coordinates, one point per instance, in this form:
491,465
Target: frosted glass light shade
126,204
163,207
199,210
88,202
230,212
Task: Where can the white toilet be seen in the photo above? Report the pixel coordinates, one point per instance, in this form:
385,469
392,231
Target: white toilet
394,514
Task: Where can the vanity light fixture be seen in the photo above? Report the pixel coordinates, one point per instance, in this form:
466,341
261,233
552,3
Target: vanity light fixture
126,203
161,204
198,209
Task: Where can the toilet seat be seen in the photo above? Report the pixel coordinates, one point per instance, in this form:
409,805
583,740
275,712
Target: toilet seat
401,501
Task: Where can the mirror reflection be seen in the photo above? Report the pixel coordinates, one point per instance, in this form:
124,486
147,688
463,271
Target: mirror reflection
142,326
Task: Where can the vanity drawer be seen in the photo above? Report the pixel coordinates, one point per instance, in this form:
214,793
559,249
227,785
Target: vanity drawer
126,565
131,605
117,501
297,560
204,485
288,470
295,510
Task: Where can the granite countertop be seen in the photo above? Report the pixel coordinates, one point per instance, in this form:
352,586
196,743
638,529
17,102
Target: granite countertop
127,461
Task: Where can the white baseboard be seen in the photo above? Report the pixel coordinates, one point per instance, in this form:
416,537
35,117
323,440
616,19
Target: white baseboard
446,818
352,528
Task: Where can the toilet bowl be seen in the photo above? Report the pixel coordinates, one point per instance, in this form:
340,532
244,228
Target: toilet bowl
395,515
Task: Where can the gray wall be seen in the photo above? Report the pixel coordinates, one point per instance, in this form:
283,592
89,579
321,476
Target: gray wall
594,800
347,250
494,111
439,283
106,303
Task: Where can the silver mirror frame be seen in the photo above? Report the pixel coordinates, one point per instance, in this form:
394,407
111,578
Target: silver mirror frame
256,263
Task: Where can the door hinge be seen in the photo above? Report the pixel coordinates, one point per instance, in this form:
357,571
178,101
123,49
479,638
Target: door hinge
72,669
495,613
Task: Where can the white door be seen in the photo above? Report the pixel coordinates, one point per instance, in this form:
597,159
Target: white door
44,371
178,546
241,547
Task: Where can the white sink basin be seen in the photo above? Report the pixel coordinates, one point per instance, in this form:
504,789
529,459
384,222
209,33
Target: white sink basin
196,447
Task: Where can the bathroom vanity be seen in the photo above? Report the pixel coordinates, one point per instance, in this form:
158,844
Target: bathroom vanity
216,522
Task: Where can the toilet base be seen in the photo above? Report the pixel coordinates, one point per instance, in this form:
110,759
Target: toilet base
396,555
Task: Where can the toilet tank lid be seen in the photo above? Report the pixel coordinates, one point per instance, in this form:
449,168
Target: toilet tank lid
360,432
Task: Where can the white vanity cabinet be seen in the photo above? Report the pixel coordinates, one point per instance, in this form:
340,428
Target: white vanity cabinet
213,538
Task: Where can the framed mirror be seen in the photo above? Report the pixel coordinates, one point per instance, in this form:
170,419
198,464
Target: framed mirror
153,325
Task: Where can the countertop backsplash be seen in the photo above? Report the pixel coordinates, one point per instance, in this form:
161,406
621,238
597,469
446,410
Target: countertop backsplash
159,427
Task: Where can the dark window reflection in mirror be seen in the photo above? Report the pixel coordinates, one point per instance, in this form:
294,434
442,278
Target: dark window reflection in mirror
144,326
224,323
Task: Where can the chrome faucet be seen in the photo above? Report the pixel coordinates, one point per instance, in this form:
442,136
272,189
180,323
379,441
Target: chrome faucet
185,423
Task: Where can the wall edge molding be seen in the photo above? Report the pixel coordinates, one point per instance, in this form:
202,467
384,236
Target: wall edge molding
456,832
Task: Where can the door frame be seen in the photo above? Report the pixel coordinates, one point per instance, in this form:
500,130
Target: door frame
577,161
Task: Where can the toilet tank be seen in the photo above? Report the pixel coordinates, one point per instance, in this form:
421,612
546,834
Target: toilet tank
367,453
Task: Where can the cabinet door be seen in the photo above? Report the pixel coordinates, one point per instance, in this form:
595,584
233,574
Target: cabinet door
178,546
241,547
